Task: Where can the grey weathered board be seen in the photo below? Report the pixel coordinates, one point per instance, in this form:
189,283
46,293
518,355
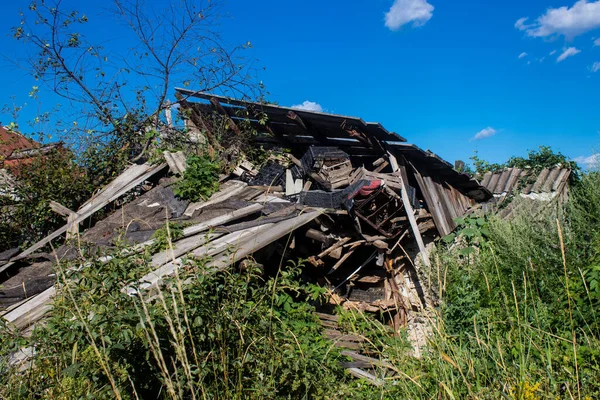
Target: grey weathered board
129,179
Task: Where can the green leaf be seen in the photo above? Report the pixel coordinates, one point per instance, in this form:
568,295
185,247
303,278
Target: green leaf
468,232
466,251
449,238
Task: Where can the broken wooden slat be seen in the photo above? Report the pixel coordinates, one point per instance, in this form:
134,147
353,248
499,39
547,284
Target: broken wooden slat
359,373
176,161
32,310
264,238
433,203
229,189
337,245
223,219
327,317
198,228
340,262
372,361
60,209
73,229
132,177
182,247
381,167
413,224
153,279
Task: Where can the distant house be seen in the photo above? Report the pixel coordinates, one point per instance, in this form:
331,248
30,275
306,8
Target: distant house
16,149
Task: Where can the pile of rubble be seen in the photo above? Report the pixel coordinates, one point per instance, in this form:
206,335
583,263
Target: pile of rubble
362,221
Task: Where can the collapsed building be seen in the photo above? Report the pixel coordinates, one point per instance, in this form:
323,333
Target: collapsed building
356,201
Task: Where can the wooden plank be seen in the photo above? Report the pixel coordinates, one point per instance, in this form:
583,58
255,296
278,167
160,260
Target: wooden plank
198,228
176,161
439,221
359,373
31,311
73,229
131,172
229,189
327,317
60,209
438,208
445,209
128,180
264,238
340,262
182,247
154,278
372,361
414,226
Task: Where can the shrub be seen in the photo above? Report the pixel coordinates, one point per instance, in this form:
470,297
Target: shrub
200,179
227,335
27,217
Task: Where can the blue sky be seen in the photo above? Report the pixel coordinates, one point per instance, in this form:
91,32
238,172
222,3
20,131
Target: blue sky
439,73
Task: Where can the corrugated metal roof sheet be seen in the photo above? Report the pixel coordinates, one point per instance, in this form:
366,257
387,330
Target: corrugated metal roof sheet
515,180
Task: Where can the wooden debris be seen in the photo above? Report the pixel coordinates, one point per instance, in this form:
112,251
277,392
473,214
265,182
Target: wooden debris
176,161
130,178
228,190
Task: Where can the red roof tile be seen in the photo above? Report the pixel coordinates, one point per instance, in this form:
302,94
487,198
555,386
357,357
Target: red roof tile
11,141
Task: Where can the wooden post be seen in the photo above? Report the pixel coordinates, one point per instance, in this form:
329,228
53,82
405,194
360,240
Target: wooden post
410,212
72,225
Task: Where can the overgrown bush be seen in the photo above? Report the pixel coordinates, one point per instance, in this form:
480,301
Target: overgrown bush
225,335
536,160
200,179
26,215
523,313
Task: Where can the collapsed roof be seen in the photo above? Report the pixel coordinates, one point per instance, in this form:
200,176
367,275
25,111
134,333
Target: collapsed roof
444,187
352,198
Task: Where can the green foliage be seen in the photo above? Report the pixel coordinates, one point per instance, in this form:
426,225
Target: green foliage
513,310
226,335
542,158
200,179
163,236
536,160
26,215
482,166
471,230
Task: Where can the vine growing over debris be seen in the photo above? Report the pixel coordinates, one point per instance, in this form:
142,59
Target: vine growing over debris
536,161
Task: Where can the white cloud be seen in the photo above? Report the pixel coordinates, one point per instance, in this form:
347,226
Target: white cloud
570,52
582,17
588,162
309,106
597,42
553,52
595,67
523,54
485,133
520,24
403,12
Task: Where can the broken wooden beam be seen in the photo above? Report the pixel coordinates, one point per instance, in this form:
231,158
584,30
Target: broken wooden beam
122,184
